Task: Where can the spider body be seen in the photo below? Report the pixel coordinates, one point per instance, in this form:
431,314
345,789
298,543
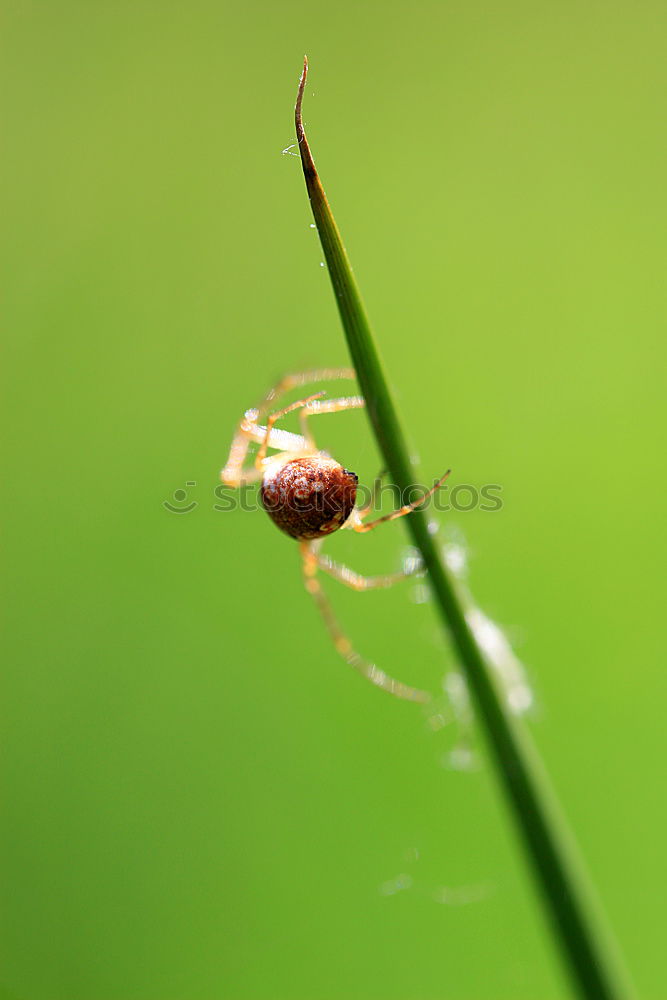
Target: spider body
309,495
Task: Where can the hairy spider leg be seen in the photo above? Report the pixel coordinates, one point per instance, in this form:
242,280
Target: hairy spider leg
269,437
355,581
296,379
250,430
357,524
234,472
276,415
343,645
315,406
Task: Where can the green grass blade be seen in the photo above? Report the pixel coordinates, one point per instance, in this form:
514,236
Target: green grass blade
577,924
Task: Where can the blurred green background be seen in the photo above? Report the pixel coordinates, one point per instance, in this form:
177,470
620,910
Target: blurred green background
201,801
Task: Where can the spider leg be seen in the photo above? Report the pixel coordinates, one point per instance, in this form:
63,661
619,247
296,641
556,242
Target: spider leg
357,524
233,473
326,406
248,431
250,428
341,641
276,415
355,581
292,381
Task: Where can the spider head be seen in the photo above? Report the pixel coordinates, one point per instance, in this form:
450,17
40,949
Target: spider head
308,497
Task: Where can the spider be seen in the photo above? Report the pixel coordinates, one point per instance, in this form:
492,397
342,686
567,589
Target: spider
309,495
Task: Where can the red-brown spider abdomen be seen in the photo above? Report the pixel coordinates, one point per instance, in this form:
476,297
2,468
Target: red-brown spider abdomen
308,497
